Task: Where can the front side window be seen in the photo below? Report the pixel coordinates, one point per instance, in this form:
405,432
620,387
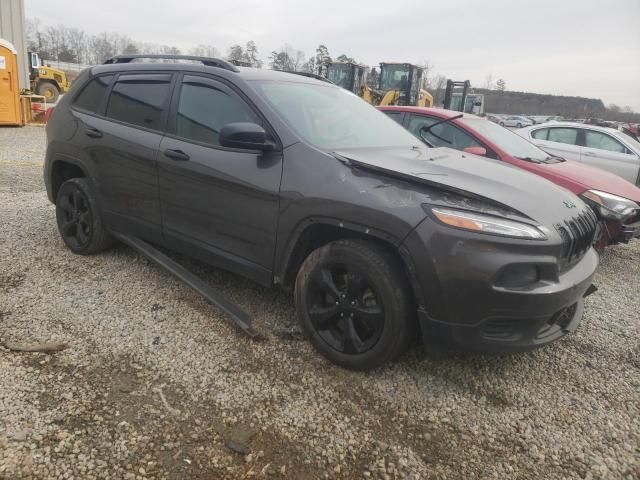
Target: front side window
602,141
563,135
205,106
91,96
397,116
442,135
139,99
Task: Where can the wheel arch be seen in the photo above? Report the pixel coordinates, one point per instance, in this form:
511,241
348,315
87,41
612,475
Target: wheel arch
63,169
316,232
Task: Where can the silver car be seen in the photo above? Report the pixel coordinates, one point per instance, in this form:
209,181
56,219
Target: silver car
517,121
600,147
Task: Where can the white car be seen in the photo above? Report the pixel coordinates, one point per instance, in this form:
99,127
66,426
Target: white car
601,147
517,121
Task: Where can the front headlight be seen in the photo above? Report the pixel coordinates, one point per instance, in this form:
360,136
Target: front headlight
611,206
478,222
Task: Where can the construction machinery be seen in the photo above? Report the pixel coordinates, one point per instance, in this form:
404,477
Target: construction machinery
457,97
399,84
348,75
46,81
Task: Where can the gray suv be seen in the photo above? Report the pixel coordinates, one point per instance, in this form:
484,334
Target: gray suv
294,182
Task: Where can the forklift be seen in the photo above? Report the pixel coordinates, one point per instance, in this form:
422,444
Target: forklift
457,97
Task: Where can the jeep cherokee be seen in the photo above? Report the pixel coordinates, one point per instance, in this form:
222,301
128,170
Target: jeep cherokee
292,181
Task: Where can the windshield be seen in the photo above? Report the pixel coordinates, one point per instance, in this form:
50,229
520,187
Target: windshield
394,77
332,118
340,75
511,143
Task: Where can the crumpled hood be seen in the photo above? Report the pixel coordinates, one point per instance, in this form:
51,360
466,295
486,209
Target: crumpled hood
592,178
527,193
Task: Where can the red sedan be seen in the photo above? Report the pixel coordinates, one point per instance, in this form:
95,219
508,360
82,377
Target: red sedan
615,200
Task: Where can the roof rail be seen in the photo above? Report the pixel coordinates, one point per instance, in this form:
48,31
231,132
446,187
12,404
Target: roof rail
208,61
311,75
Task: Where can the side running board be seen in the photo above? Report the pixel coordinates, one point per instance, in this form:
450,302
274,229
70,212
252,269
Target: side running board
239,317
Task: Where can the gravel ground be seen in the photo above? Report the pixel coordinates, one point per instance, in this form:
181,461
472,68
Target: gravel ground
156,384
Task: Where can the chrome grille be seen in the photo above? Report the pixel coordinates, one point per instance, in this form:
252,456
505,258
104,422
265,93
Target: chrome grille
577,234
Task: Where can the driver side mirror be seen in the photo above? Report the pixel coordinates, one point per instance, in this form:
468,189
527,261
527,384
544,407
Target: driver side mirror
480,151
245,135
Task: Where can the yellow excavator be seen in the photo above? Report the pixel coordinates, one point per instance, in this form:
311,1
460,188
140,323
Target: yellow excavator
399,84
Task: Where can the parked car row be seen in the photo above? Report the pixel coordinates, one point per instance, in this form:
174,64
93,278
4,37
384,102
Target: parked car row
615,201
295,183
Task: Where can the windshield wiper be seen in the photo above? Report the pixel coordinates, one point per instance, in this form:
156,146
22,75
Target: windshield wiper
428,128
529,159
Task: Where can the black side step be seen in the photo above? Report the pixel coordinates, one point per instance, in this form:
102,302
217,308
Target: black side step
238,316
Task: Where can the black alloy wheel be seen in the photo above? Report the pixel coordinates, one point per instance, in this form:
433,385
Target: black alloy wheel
344,309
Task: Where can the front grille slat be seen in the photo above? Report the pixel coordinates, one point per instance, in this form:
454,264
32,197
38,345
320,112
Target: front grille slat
577,234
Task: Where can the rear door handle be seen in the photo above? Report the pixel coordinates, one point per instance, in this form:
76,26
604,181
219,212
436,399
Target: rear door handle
178,155
93,132
589,154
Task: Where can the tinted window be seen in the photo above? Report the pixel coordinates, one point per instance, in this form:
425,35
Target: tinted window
205,107
139,99
540,134
563,135
602,141
395,115
443,135
91,96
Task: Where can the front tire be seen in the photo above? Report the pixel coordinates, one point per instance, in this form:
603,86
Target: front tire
354,304
502,124
79,220
519,125
49,91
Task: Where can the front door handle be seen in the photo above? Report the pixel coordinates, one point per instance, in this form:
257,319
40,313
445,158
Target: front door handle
93,132
178,155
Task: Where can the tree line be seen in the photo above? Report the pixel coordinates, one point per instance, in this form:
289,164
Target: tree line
74,45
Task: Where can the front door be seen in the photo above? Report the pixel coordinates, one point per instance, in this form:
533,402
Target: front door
219,204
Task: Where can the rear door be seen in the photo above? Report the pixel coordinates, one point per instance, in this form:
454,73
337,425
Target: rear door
604,151
125,144
219,204
559,141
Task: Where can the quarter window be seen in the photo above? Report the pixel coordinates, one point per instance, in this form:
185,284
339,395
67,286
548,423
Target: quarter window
397,116
91,96
139,99
540,134
205,107
602,141
563,135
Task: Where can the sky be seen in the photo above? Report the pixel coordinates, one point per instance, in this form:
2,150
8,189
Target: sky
588,48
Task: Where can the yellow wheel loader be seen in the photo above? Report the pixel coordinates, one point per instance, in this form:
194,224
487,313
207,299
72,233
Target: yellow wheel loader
400,84
46,81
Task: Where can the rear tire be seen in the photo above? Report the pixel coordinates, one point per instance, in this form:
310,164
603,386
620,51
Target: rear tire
502,124
354,304
79,220
519,125
49,91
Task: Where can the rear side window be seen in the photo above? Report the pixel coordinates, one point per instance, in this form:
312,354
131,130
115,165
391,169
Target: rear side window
139,99
442,135
563,135
540,134
91,96
397,116
205,107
